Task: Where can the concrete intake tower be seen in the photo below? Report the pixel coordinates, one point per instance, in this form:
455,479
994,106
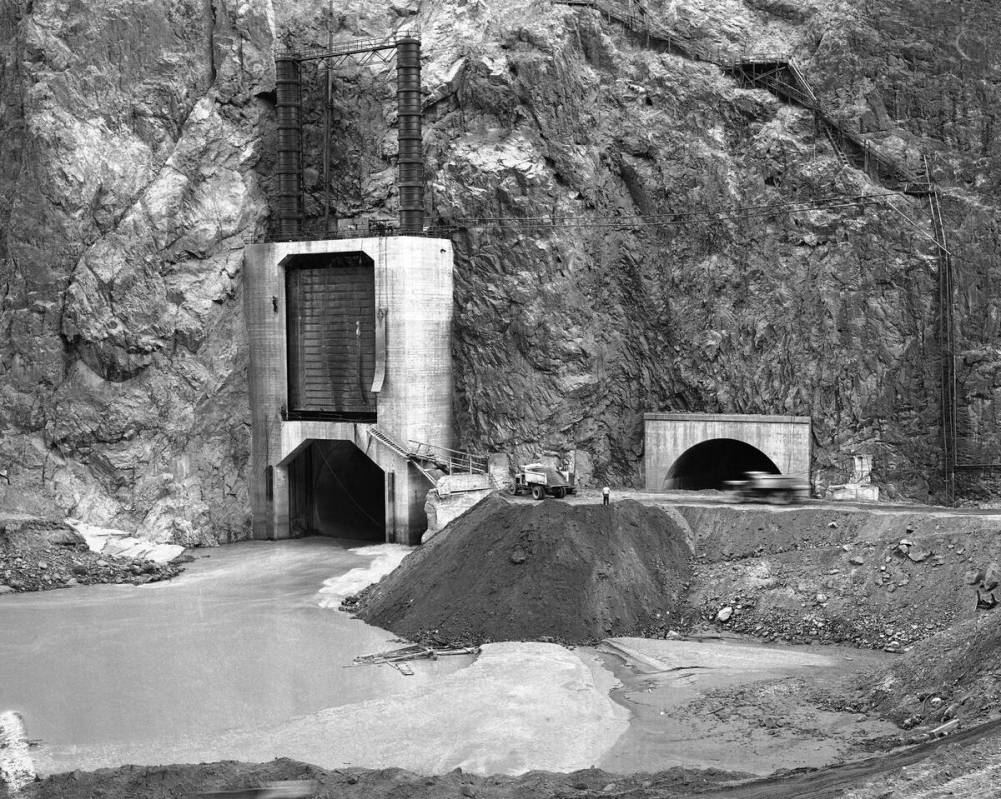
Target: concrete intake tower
350,358
350,339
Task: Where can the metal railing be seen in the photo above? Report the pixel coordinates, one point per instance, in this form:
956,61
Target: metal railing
429,456
454,461
352,47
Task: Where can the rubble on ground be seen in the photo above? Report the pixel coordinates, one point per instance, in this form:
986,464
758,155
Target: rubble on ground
118,543
952,675
862,579
40,555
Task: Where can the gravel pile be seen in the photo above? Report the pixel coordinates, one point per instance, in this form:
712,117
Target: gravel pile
40,555
537,571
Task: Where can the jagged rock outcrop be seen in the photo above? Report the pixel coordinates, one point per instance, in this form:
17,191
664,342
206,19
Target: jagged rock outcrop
137,162
136,131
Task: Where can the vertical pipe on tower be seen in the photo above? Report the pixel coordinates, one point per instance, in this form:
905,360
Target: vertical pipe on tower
287,91
411,162
327,226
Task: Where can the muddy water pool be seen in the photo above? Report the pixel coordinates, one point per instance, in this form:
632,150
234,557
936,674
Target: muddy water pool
246,657
244,637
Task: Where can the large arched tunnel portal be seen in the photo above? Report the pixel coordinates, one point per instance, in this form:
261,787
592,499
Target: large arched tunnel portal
335,490
711,463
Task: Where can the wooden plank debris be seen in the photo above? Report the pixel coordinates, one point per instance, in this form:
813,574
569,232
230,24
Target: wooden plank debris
945,729
280,789
413,652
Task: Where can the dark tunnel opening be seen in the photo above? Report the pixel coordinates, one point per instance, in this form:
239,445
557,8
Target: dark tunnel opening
335,490
711,463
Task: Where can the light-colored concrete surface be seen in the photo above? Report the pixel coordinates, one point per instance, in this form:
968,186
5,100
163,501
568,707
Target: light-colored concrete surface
443,510
120,544
413,295
459,482
406,481
784,439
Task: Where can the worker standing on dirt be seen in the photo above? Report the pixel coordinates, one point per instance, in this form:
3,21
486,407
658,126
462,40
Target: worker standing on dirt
605,492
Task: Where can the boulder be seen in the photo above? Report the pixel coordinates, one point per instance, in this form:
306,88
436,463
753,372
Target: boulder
992,576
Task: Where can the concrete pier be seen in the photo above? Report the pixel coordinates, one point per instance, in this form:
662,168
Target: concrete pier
385,361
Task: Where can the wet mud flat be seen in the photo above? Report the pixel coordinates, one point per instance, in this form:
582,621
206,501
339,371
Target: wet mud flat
736,705
687,716
703,715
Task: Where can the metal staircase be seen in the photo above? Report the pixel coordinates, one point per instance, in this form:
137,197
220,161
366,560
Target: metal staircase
784,79
428,458
642,25
776,73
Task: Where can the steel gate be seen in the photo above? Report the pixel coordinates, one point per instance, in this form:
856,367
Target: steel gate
331,337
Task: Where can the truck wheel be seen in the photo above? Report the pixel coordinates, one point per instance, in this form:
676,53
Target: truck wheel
538,492
559,492
515,490
783,497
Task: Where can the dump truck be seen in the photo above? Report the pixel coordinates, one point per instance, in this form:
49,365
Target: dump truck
542,481
777,488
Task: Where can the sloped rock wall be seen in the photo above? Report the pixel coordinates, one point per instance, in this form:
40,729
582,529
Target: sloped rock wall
566,335
138,142
138,130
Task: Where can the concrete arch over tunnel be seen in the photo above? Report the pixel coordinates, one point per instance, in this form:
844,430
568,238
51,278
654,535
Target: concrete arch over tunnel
700,450
711,463
337,479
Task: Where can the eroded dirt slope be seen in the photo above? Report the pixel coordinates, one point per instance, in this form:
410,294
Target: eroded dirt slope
867,576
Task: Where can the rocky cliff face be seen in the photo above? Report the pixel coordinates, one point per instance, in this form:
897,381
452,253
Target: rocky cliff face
137,140
131,136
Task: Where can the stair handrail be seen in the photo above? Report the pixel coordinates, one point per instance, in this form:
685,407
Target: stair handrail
397,447
455,459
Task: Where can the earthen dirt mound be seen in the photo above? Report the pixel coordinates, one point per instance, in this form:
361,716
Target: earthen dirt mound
185,781
524,570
